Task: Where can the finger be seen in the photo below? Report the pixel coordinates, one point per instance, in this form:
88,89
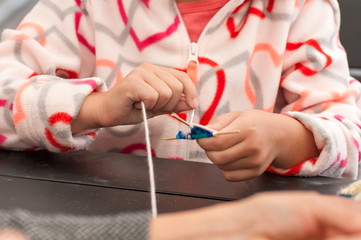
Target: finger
307,215
243,156
229,156
176,88
165,93
253,163
225,122
356,236
182,106
241,175
189,90
348,214
221,142
138,90
12,234
249,162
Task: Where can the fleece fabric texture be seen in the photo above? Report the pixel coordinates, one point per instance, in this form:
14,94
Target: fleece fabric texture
123,226
281,56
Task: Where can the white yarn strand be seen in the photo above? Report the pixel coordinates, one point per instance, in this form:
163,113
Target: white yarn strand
150,164
192,116
190,120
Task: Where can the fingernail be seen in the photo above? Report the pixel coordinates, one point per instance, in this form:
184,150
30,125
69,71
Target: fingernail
195,103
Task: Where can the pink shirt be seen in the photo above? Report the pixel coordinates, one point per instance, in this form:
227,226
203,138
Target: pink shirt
197,14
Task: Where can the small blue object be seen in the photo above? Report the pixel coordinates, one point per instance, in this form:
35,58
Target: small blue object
180,135
352,191
346,195
196,133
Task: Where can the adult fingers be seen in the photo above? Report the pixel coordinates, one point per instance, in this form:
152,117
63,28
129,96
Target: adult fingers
348,214
12,234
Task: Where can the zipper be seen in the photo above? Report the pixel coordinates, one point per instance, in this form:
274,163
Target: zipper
193,53
192,69
193,62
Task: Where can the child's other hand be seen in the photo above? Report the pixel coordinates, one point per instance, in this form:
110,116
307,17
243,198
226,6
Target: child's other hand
265,138
163,90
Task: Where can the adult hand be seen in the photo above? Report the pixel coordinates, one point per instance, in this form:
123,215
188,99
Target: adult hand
12,234
163,90
271,216
264,139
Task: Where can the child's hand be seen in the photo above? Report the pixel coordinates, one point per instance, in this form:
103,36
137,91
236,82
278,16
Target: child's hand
163,90
265,138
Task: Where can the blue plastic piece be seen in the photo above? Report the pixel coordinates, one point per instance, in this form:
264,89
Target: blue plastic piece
195,133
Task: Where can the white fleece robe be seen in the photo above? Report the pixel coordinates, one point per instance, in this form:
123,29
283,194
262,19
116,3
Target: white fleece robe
281,56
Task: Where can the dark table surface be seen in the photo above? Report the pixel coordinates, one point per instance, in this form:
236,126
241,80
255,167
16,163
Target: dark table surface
89,183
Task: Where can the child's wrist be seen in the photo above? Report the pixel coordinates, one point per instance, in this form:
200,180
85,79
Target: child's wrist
298,144
87,117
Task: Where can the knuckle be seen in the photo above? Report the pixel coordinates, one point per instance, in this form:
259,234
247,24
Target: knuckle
152,96
255,147
259,172
211,144
183,75
251,131
218,145
143,68
257,161
146,65
216,158
166,94
230,177
130,79
178,87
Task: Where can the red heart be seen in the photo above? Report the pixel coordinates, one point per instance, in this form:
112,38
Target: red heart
221,82
156,37
137,146
231,25
2,139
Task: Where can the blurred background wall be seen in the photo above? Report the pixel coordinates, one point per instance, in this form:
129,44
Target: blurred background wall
12,11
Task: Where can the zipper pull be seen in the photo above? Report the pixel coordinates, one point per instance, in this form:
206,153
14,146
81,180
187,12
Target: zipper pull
193,53
192,63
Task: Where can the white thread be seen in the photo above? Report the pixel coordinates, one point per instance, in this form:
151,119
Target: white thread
150,164
186,157
192,116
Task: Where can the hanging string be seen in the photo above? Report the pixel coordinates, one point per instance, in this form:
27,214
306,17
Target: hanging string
186,157
150,164
192,71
